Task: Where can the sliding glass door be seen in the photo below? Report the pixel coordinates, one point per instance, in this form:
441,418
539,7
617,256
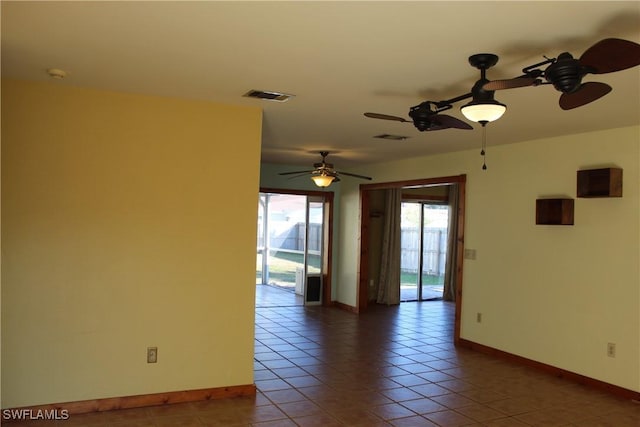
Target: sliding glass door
423,245
290,245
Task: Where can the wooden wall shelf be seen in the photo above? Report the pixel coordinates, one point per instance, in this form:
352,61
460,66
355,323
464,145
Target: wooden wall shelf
554,211
606,182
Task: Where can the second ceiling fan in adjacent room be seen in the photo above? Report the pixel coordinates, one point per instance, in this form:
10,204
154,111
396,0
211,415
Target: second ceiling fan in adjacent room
324,174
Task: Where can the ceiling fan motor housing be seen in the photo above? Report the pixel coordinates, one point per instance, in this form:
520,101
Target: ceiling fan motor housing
323,165
565,74
423,116
479,93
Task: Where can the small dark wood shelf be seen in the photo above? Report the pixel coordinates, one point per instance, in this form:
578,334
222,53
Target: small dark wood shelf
554,211
606,182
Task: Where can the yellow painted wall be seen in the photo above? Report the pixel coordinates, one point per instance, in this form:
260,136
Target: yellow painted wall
555,294
127,221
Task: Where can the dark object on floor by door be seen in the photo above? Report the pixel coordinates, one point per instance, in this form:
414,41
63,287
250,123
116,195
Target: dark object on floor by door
313,288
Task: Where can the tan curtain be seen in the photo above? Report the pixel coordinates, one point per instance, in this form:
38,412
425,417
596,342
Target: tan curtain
389,285
450,269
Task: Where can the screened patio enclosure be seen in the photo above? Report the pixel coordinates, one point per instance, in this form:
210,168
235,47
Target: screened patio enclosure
290,244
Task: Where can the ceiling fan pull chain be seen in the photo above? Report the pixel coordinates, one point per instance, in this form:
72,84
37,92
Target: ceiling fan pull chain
483,152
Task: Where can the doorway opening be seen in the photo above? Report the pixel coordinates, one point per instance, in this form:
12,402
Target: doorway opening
293,248
380,243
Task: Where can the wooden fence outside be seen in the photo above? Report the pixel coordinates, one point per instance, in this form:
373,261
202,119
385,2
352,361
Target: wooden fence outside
434,250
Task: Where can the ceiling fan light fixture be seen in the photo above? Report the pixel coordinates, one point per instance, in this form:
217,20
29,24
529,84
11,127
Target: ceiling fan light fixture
322,180
483,111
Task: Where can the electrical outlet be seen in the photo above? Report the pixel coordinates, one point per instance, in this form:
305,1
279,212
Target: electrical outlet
611,349
479,317
470,253
152,354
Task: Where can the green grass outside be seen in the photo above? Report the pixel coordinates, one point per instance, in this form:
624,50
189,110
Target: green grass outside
282,270
283,265
411,279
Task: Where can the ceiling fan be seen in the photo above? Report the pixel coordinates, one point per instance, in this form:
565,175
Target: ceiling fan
323,173
565,72
426,117
483,108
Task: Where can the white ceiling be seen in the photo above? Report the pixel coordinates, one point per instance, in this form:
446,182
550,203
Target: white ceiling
340,59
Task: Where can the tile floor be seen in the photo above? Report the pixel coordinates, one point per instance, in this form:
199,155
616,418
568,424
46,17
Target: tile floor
270,296
391,366
273,296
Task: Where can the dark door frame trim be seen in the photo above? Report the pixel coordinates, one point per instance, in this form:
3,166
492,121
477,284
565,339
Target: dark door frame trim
365,218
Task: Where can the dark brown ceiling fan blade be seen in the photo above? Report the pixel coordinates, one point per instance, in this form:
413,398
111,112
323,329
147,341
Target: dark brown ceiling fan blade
587,93
433,127
293,173
386,117
355,176
610,55
444,121
523,81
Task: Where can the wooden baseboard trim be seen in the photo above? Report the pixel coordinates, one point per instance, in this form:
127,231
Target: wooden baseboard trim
345,307
552,370
140,401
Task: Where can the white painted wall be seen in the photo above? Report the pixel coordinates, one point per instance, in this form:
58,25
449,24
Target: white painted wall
554,294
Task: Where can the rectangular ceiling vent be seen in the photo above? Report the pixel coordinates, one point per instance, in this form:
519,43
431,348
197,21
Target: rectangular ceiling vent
269,96
391,137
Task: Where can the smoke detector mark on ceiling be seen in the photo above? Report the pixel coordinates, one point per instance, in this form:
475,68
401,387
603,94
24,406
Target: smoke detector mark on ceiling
268,95
392,137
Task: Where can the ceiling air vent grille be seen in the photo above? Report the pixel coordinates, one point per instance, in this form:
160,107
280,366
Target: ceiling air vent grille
268,95
391,137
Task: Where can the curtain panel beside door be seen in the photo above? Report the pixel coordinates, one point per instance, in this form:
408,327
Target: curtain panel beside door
389,284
